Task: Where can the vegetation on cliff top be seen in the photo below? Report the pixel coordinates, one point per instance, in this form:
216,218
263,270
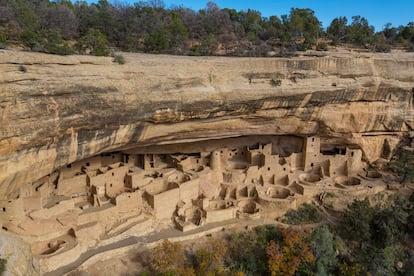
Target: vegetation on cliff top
66,27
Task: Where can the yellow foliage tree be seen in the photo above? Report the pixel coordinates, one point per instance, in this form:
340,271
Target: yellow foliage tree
169,259
210,258
285,258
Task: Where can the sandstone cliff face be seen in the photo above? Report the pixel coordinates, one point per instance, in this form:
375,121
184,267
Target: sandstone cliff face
64,109
19,257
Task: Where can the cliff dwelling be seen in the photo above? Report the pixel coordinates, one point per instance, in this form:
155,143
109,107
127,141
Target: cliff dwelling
95,199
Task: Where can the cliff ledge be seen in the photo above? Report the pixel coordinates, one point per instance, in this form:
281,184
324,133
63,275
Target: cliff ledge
55,110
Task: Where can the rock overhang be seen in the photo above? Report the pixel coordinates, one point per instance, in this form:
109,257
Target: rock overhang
66,109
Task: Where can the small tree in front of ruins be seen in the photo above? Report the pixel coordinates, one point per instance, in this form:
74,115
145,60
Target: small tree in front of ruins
404,166
169,259
291,255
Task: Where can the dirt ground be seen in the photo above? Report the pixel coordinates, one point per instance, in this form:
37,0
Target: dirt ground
133,263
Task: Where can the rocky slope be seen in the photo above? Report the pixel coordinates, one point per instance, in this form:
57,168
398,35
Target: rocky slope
18,255
55,110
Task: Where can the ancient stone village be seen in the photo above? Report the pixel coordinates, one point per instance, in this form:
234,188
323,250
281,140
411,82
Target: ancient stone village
98,198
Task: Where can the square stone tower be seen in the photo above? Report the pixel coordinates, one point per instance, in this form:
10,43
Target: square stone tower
311,152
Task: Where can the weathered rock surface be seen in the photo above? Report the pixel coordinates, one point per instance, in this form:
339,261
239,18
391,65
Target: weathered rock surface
19,257
63,109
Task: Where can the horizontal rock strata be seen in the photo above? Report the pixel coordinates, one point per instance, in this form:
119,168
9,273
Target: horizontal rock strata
55,110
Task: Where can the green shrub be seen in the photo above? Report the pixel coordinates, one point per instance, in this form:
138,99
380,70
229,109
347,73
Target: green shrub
411,198
403,165
308,43
3,40
334,42
94,41
2,37
306,213
194,50
119,59
382,47
30,39
247,250
52,42
323,248
329,194
48,41
157,41
22,69
356,222
63,49
322,46
274,82
3,263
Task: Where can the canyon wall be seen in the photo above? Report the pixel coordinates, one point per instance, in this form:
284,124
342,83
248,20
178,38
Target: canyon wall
55,110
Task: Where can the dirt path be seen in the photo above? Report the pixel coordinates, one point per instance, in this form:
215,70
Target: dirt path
85,256
171,233
164,234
